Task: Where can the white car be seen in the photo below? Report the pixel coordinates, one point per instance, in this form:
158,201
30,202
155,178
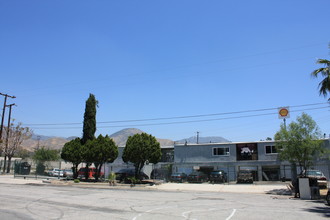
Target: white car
55,172
68,173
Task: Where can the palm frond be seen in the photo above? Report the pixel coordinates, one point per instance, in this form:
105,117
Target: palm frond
324,86
323,61
317,71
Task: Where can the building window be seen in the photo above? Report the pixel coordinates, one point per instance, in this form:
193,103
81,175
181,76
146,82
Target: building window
271,150
221,151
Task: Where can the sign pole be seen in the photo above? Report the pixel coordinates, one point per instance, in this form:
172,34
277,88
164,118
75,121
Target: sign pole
283,113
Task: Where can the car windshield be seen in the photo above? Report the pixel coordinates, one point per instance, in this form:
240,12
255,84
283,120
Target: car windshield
244,171
314,173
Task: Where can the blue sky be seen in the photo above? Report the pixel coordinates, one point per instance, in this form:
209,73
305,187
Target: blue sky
163,59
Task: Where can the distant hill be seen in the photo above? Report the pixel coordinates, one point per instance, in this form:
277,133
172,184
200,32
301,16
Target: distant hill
121,137
43,137
52,142
203,140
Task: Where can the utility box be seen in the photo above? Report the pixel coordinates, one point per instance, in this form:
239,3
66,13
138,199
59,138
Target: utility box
304,188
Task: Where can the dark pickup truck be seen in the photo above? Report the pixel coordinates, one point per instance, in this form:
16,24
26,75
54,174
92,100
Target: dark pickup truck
244,176
218,176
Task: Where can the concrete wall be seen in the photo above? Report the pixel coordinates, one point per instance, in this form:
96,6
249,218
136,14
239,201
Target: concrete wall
201,153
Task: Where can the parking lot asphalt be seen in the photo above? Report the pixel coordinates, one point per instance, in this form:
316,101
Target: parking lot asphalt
40,201
62,199
260,187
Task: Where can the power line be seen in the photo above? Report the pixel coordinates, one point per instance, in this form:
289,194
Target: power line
177,117
184,122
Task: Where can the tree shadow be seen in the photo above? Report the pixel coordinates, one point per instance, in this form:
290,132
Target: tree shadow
285,192
324,211
322,208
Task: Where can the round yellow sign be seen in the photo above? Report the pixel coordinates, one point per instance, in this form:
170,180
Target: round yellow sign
283,112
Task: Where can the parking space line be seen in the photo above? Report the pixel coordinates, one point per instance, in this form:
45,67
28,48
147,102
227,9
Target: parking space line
231,215
150,210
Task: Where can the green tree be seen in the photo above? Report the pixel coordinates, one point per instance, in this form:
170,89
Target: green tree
101,150
324,85
73,152
88,156
42,155
141,148
89,127
299,143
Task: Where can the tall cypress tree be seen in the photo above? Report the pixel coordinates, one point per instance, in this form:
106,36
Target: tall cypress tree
89,128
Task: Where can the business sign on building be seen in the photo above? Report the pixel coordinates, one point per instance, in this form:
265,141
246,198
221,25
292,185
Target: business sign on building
196,167
248,151
283,112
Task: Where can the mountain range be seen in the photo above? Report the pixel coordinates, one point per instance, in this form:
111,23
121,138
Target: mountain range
119,137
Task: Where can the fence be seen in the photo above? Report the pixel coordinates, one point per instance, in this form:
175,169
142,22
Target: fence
11,166
48,165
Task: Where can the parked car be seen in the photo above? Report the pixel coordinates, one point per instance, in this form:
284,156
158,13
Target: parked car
55,172
159,174
68,173
197,177
218,176
178,177
318,175
244,176
91,173
123,175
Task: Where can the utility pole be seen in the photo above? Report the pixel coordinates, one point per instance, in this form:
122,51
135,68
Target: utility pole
38,138
197,137
7,136
3,112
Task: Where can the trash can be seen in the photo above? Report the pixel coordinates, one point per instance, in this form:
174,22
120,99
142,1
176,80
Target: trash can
22,168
